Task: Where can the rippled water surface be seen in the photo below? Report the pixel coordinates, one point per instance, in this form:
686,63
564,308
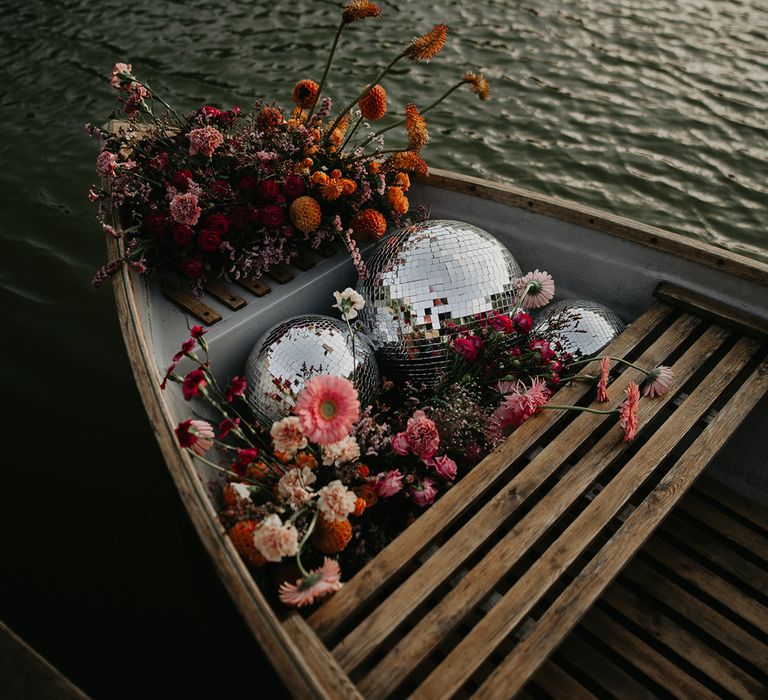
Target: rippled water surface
653,110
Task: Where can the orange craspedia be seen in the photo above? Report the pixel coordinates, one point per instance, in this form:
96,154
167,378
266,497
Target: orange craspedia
427,46
368,223
241,534
305,214
478,84
331,536
397,200
373,105
416,126
402,181
304,93
331,189
359,9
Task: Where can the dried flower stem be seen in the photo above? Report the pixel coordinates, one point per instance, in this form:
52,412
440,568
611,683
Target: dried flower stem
351,132
327,69
615,359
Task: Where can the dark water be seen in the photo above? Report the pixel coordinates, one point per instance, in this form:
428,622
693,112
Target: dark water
654,110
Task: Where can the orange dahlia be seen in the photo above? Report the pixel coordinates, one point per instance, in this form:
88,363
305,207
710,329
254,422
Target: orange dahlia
368,223
402,181
318,178
373,105
427,46
416,126
348,186
304,92
305,214
241,534
359,9
331,189
397,200
478,84
331,536
408,160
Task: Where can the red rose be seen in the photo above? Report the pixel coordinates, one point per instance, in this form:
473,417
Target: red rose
181,179
247,184
546,352
220,189
182,234
240,217
272,216
156,224
502,324
208,240
218,223
193,268
466,348
294,186
523,322
269,189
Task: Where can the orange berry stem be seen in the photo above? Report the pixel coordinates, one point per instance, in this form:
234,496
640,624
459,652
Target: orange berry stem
327,68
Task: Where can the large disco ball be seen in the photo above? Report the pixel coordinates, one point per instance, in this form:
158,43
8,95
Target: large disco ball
424,278
582,326
292,352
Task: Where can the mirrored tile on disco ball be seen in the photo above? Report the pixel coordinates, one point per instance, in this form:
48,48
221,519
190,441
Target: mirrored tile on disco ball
299,348
585,326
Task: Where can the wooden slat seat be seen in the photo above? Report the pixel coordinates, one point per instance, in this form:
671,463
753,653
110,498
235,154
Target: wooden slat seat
480,591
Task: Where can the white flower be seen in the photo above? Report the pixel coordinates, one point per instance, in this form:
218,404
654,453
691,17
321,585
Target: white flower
275,540
349,302
287,436
295,486
336,501
341,452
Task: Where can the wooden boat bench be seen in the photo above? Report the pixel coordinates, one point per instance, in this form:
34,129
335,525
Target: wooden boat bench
476,595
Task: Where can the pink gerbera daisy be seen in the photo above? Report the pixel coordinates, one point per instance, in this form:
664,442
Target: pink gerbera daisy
628,412
318,583
537,289
658,381
327,407
602,383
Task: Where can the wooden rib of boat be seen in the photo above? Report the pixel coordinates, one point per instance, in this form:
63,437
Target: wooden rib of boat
567,563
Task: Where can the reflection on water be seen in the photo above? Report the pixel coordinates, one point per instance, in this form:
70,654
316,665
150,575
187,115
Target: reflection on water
651,109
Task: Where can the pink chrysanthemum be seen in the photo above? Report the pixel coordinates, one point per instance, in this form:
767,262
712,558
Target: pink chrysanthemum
335,501
318,583
184,209
537,289
628,412
424,494
205,140
602,383
659,380
197,435
327,407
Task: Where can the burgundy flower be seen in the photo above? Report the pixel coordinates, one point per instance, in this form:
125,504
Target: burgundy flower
193,268
192,384
466,348
288,231
167,376
240,217
236,388
218,223
184,434
228,118
208,240
220,189
502,324
476,341
227,426
182,234
269,189
272,216
187,346
209,112
158,162
523,322
197,332
544,349
156,224
293,187
181,179
247,184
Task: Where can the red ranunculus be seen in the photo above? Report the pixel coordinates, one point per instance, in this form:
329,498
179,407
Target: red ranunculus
220,189
502,323
240,217
293,187
156,224
247,183
182,234
272,216
193,267
523,322
269,189
218,223
208,240
192,384
181,178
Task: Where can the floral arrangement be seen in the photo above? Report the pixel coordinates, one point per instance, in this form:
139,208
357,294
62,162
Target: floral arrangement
333,482
217,193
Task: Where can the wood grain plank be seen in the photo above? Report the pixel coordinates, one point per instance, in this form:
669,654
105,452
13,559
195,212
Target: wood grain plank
303,261
558,684
409,651
391,560
280,273
743,507
255,286
653,664
572,603
189,303
225,295
520,599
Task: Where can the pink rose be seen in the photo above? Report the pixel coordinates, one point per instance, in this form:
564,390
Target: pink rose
424,494
208,240
269,189
272,216
400,444
445,467
390,484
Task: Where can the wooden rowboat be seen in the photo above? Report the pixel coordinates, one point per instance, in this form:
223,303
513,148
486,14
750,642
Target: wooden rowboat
566,564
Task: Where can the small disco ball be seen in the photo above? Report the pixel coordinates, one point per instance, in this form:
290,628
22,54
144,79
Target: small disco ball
423,282
290,353
581,326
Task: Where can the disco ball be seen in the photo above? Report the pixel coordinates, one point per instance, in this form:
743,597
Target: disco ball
292,352
424,278
584,326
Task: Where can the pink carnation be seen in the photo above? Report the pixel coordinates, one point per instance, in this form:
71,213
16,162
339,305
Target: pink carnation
106,164
390,484
335,501
399,444
184,209
275,540
205,140
424,494
287,436
422,435
120,73
295,486
445,467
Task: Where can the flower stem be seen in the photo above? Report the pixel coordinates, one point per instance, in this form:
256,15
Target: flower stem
222,470
615,359
351,132
583,409
304,539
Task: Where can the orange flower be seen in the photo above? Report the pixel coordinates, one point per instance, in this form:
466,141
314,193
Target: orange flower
241,535
368,223
416,126
359,507
304,92
359,9
373,167
373,104
402,181
336,173
338,133
268,118
331,536
331,189
407,160
318,178
368,494
306,459
305,214
257,471
398,200
282,457
427,46
348,186
307,162
478,84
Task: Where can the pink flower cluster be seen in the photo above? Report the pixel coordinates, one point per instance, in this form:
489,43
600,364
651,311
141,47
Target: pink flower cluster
205,140
185,210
